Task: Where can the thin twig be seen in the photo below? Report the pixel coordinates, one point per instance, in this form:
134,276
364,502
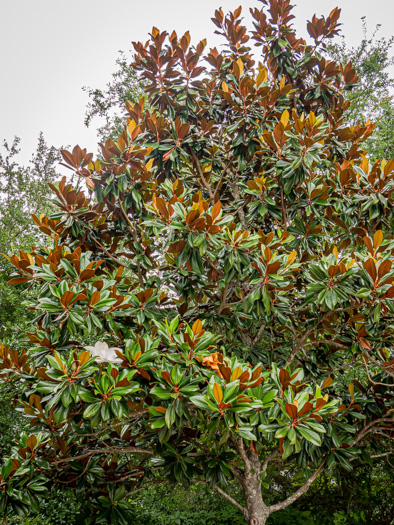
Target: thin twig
301,342
114,425
269,458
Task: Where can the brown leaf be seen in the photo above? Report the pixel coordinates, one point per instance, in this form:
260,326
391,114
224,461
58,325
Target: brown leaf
166,376
291,410
306,408
18,280
370,267
327,382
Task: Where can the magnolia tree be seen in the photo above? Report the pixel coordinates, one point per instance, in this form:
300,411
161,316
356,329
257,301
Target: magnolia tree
218,302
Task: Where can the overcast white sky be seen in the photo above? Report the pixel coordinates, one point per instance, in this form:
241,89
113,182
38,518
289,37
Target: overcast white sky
49,49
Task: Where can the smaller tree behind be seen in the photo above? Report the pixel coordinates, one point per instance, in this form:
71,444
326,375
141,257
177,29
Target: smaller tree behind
23,190
372,97
110,103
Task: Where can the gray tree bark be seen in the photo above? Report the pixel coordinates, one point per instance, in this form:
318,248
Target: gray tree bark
256,511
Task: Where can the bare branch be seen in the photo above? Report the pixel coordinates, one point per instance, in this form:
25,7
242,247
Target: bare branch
225,495
284,213
302,490
104,249
114,425
371,426
109,450
301,342
242,453
382,455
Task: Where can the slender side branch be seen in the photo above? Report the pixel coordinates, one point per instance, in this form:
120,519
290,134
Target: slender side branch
104,249
365,430
301,342
302,490
109,450
114,425
284,213
375,362
365,361
225,495
242,453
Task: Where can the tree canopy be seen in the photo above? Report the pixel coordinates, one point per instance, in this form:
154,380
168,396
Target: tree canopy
219,296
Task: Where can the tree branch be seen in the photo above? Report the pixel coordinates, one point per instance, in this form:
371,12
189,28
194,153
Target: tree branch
269,458
200,172
225,168
243,454
370,378
223,301
225,495
104,249
259,334
302,490
240,210
365,430
132,228
109,450
375,362
300,343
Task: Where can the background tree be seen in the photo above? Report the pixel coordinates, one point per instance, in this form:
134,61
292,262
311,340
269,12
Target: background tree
23,191
109,104
372,97
233,264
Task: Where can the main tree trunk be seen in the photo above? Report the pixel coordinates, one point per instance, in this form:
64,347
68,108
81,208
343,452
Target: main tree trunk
256,511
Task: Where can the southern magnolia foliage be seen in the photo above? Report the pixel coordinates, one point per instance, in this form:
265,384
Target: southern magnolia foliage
232,258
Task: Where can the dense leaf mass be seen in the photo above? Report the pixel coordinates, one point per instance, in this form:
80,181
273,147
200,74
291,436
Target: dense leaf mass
234,250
